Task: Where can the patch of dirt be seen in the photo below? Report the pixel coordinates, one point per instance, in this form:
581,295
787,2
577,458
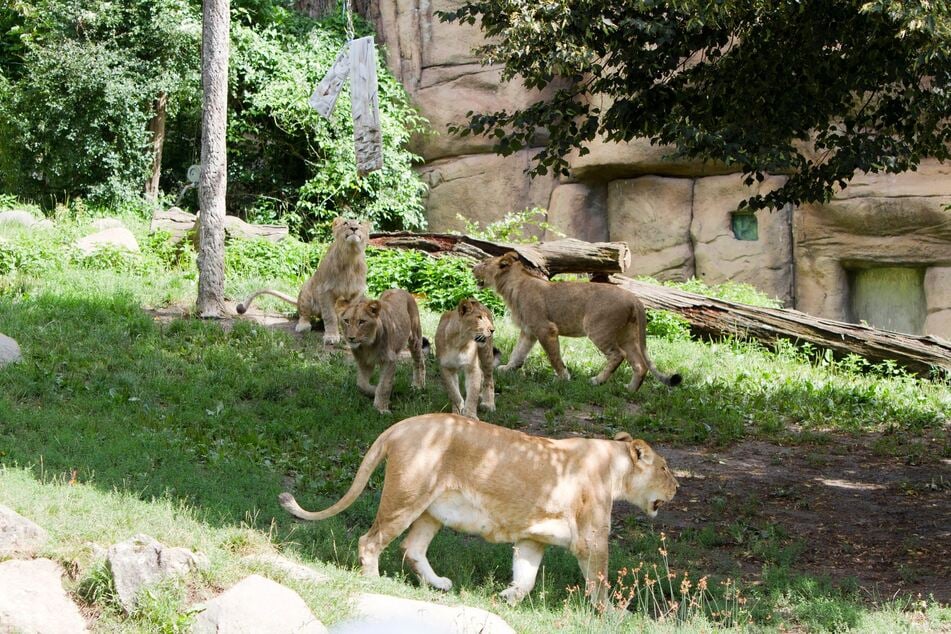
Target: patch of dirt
855,514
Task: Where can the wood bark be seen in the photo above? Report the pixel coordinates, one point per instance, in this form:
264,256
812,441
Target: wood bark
709,316
157,128
550,258
212,186
316,8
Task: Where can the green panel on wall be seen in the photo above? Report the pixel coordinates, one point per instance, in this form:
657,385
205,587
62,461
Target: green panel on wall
744,226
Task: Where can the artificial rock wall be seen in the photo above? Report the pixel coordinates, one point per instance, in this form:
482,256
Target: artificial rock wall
677,216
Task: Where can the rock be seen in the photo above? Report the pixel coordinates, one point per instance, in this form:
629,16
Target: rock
607,160
579,211
652,215
256,604
141,561
116,237
719,256
237,228
292,569
19,537
101,224
32,599
9,351
45,224
17,218
937,287
482,187
429,617
173,220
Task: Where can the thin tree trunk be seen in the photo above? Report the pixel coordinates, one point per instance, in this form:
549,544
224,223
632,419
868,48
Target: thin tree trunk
157,128
315,8
213,183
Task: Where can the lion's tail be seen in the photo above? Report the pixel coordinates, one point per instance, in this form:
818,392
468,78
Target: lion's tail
375,455
243,307
671,380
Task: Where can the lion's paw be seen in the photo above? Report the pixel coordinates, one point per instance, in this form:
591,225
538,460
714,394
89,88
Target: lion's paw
442,583
331,340
507,367
511,595
302,326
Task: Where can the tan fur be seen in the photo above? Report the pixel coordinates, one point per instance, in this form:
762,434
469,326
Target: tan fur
341,274
507,486
376,332
464,341
612,318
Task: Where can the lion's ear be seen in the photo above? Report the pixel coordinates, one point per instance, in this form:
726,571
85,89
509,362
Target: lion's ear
641,451
339,220
367,226
623,435
466,306
341,304
508,259
373,308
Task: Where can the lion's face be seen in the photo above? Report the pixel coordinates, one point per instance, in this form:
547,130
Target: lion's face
651,484
351,232
360,322
477,320
489,272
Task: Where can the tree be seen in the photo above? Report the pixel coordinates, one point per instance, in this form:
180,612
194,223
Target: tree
213,182
814,88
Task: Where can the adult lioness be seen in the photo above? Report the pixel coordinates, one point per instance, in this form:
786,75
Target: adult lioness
341,274
613,319
444,469
464,341
376,331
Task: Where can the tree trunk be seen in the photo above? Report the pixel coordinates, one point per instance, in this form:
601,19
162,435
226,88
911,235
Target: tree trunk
709,316
315,8
157,128
551,258
216,25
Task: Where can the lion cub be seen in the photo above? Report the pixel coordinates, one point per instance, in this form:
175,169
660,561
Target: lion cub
464,341
376,331
612,318
341,274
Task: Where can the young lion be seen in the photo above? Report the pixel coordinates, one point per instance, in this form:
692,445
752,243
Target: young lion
376,332
443,469
341,274
464,341
613,319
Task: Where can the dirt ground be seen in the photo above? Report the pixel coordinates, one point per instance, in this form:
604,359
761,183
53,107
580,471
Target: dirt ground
885,523
880,520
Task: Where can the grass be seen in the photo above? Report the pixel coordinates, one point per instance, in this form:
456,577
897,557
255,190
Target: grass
187,431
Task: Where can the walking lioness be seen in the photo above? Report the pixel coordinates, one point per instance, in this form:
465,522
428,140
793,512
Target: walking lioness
341,274
464,342
612,318
507,486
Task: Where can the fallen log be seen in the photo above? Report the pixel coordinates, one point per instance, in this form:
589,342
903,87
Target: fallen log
709,316
550,258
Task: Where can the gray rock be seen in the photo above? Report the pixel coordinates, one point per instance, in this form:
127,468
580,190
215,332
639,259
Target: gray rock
429,618
141,561
9,351
101,224
254,605
19,537
17,218
32,599
292,569
116,237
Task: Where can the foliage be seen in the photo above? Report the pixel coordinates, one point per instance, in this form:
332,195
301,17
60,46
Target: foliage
74,120
818,89
288,163
512,227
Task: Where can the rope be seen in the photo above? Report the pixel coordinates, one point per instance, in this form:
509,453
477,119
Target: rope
348,19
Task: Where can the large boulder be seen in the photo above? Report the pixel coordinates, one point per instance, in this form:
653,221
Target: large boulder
142,561
101,224
481,187
32,599
719,254
652,215
423,617
17,218
256,605
19,537
579,211
607,160
937,287
116,237
9,351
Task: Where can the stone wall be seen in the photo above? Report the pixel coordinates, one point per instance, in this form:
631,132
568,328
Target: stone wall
676,215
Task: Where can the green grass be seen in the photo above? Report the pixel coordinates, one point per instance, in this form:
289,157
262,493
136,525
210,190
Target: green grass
188,432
